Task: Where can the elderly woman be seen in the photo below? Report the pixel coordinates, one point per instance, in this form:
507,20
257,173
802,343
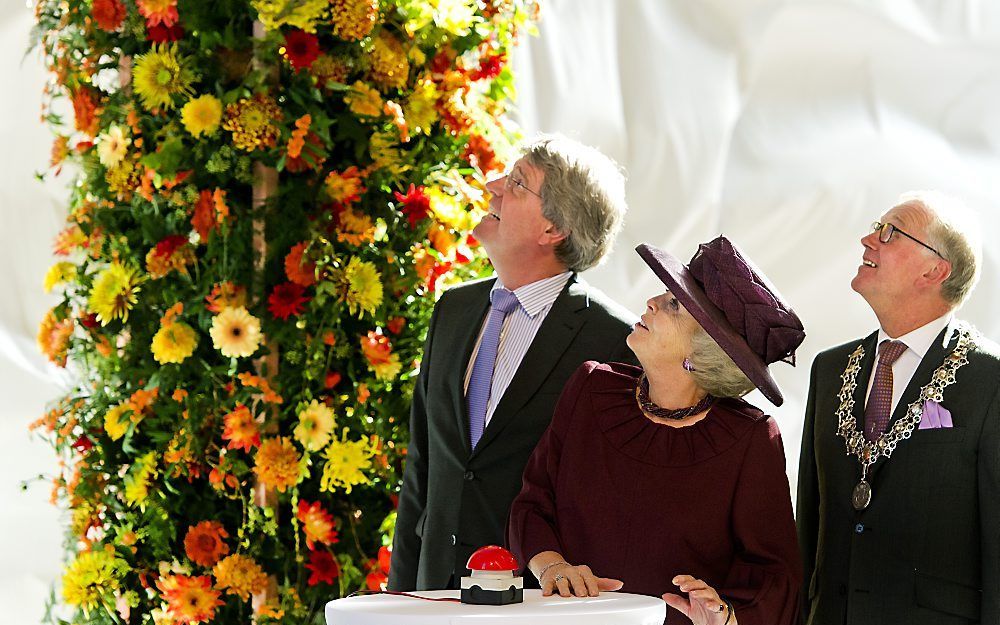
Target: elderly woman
661,478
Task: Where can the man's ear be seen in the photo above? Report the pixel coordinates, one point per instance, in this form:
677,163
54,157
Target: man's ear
551,236
938,273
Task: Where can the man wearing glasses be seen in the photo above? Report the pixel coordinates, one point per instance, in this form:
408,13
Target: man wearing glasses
899,476
498,353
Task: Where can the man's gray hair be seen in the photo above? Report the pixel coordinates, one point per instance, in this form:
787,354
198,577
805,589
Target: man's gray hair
583,195
714,371
954,232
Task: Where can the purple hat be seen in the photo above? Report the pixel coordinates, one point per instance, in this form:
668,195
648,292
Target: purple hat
732,300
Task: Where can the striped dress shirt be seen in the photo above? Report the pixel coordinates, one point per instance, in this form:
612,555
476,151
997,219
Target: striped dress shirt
517,333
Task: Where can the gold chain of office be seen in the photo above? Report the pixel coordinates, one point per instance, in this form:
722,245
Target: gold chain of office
868,452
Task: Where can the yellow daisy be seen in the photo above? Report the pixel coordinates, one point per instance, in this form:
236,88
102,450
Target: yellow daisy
59,273
316,423
173,342
114,424
92,578
235,332
161,74
114,292
202,115
364,287
346,463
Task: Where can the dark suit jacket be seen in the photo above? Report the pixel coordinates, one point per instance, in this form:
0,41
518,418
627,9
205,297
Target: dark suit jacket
927,549
453,501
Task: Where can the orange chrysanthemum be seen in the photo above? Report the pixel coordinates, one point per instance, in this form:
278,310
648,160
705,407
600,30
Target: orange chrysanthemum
255,381
158,12
317,524
53,337
277,463
240,575
241,429
345,187
297,269
204,543
355,228
226,295
189,599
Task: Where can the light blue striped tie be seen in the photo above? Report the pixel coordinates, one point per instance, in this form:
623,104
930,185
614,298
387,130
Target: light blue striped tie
478,396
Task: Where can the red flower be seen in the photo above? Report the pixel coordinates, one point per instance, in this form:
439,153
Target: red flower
287,299
166,248
332,379
416,204
324,568
376,579
160,33
89,321
301,48
83,444
396,324
480,154
489,68
384,557
109,14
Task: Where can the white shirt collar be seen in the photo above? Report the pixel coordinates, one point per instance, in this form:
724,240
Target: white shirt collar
921,339
539,295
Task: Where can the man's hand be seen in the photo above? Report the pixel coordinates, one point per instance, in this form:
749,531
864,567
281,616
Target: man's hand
703,605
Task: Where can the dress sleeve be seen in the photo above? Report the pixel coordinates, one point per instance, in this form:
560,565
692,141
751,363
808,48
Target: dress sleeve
531,526
765,579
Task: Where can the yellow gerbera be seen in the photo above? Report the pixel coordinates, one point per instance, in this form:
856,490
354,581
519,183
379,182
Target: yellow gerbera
91,579
161,74
114,424
316,423
59,273
173,342
202,115
114,292
364,100
239,575
235,332
277,463
112,146
364,287
346,462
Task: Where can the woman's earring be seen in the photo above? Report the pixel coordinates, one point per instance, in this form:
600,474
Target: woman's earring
687,365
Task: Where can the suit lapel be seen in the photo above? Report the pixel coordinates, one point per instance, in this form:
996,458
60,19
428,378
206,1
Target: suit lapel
870,343
466,344
561,324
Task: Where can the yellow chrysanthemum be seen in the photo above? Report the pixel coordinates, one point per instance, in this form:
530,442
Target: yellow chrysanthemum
92,578
449,210
385,153
139,478
202,115
355,228
235,332
277,463
364,100
421,107
239,575
58,274
302,14
123,179
353,19
455,16
252,122
112,146
346,463
114,292
114,424
173,342
161,74
387,62
316,423
364,287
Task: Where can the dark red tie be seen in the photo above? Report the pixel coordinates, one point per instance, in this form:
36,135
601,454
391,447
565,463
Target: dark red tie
879,405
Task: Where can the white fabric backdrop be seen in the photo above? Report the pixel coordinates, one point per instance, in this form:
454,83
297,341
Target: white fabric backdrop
786,125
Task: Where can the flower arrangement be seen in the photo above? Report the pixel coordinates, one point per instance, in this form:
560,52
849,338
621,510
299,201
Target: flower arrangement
268,195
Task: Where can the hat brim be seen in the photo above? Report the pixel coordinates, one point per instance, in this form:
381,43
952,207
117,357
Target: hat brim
676,276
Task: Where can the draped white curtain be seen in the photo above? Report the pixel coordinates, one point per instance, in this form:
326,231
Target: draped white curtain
787,125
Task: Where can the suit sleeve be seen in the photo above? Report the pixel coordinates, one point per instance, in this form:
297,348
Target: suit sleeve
764,581
989,510
531,526
807,500
413,496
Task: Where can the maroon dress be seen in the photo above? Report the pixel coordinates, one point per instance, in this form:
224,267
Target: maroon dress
642,502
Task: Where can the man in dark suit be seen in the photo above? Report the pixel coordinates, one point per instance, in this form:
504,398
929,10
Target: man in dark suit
492,372
899,477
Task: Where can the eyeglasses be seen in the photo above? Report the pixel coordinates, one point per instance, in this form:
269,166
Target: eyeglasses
512,181
885,232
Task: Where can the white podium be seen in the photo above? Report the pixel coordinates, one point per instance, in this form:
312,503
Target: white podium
609,608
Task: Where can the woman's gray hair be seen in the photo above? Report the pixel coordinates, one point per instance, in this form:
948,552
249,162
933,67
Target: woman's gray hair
954,232
583,195
714,371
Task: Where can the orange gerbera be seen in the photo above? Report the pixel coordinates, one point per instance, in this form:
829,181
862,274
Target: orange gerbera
240,575
317,524
241,429
297,269
204,543
189,599
277,463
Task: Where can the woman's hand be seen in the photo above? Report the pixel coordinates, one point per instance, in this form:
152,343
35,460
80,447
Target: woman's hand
703,605
579,580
